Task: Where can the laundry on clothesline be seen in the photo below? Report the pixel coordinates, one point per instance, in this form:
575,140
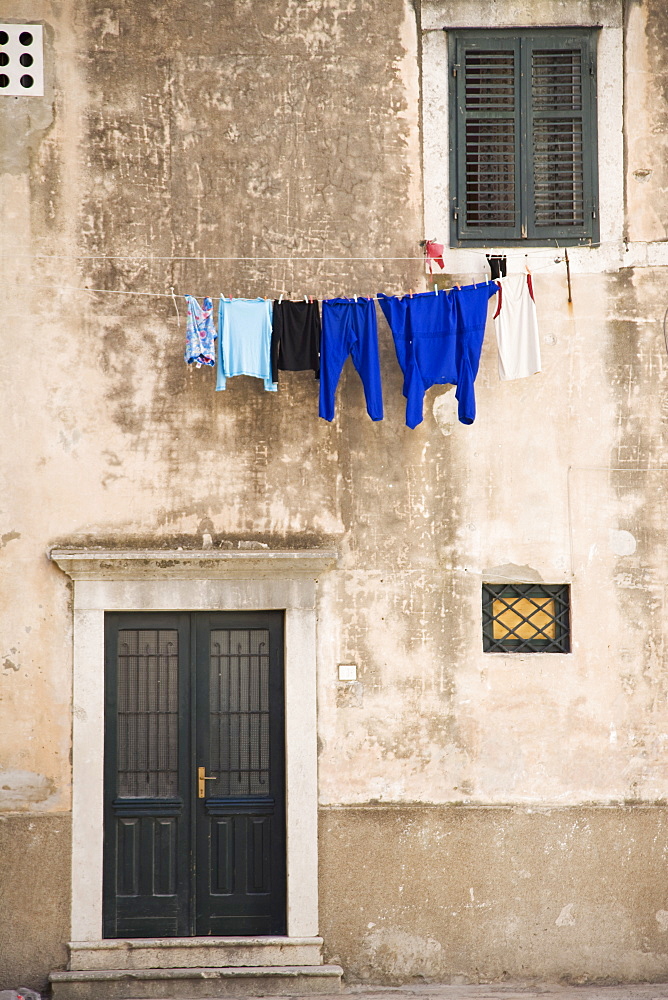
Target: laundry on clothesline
295,338
498,265
438,338
434,252
516,325
200,333
244,341
349,328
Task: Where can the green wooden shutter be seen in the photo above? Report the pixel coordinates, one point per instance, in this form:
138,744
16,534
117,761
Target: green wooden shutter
487,146
560,161
523,137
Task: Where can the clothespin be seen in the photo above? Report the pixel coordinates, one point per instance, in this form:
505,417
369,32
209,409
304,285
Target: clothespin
306,298
280,298
526,264
410,292
355,297
436,288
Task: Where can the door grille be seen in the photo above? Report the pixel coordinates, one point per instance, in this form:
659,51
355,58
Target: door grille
147,712
239,714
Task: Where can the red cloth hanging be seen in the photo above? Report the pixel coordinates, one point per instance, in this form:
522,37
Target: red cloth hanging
434,251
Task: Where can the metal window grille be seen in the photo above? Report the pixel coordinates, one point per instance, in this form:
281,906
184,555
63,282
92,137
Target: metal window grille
526,618
147,712
239,719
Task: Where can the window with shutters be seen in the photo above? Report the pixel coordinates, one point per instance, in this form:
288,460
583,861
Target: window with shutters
523,120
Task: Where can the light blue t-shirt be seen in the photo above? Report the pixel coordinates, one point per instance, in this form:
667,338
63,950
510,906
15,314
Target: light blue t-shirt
244,340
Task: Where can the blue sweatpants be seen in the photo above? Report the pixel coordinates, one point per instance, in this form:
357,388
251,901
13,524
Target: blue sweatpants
349,327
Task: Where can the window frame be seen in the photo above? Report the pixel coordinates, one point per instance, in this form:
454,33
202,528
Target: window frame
523,41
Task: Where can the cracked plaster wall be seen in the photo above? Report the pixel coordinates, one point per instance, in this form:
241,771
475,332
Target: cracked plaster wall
290,136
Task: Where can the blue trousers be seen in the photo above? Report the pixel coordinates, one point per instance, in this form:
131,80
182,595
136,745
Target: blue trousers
349,328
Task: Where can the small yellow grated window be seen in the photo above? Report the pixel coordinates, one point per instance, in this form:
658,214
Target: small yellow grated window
526,618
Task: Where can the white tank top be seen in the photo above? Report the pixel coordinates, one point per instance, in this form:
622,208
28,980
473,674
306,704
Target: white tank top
516,328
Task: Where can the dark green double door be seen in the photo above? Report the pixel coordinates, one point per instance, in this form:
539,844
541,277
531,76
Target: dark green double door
194,826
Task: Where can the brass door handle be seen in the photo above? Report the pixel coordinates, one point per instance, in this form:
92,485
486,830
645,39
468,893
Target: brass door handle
202,776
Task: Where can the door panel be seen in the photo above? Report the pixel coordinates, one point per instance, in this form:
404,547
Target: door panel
183,691
147,805
127,831
242,739
222,850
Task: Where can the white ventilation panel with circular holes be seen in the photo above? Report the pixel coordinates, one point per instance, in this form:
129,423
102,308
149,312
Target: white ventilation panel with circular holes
21,60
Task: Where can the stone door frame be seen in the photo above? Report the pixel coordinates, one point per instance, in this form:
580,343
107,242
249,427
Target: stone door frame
187,580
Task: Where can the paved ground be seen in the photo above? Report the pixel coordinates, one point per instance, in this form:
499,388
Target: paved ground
487,991
502,991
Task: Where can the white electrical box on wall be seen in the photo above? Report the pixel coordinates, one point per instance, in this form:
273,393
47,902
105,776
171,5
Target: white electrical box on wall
347,672
21,60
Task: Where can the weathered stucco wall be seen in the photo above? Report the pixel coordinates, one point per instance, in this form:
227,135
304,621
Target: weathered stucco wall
577,496
464,894
34,888
647,124
286,142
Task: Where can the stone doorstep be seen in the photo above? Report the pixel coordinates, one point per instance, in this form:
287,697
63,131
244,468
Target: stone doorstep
196,952
195,984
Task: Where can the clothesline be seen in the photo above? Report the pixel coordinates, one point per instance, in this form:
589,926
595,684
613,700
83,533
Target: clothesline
473,278
511,254
438,340
256,257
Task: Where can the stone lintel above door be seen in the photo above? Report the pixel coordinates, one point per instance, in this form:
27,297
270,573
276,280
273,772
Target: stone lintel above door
191,564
